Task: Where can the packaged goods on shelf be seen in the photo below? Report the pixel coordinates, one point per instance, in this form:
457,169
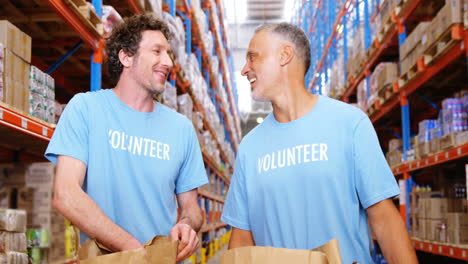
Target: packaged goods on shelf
110,18
197,120
454,115
12,241
2,60
38,238
34,200
451,13
41,95
15,80
11,257
425,126
395,144
383,19
418,37
384,75
185,105
13,220
337,83
27,175
170,96
362,97
177,43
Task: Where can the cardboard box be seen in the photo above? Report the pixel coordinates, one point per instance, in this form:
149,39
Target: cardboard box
15,40
36,175
41,220
450,14
16,81
456,205
457,236
417,37
457,220
12,174
433,229
422,223
388,75
40,174
436,208
5,197
34,200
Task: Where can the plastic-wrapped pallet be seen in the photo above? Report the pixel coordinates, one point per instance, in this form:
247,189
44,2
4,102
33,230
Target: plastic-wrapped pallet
425,126
11,257
12,241
13,220
185,105
110,17
170,96
41,95
197,120
454,116
362,96
155,6
177,43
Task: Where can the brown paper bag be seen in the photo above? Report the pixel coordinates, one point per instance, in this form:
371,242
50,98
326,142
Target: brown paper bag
159,250
326,254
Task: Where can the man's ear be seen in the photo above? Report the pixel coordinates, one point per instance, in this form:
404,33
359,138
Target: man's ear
286,55
125,58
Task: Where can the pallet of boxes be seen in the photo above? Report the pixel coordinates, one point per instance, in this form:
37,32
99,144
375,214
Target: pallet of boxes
28,187
438,219
431,40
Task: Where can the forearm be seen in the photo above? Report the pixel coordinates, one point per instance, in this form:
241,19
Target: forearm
393,238
85,214
240,238
192,217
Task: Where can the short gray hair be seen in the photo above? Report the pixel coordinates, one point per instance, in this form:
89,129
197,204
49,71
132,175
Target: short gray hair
293,34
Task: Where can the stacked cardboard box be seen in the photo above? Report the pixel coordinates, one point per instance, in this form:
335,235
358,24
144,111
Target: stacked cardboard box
457,228
17,56
383,18
451,13
32,191
394,154
438,219
13,237
356,53
413,47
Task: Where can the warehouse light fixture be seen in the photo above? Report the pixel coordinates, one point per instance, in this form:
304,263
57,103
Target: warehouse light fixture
259,120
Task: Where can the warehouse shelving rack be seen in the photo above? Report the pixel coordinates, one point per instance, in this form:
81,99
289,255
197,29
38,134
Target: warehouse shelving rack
25,138
336,19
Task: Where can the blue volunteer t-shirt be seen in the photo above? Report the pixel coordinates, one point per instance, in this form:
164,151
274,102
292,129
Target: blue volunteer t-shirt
300,184
136,162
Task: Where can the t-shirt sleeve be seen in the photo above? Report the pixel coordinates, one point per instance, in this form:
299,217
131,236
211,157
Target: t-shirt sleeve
235,212
374,179
70,137
192,173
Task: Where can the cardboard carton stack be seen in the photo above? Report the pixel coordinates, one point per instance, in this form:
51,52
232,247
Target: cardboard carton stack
29,187
12,236
16,60
438,219
394,154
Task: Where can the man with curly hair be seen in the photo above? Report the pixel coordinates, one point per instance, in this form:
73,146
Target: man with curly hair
124,161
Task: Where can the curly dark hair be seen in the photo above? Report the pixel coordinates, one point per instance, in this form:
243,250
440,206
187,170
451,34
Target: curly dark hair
126,36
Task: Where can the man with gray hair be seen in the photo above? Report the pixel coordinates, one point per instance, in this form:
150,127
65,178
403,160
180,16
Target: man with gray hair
313,170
